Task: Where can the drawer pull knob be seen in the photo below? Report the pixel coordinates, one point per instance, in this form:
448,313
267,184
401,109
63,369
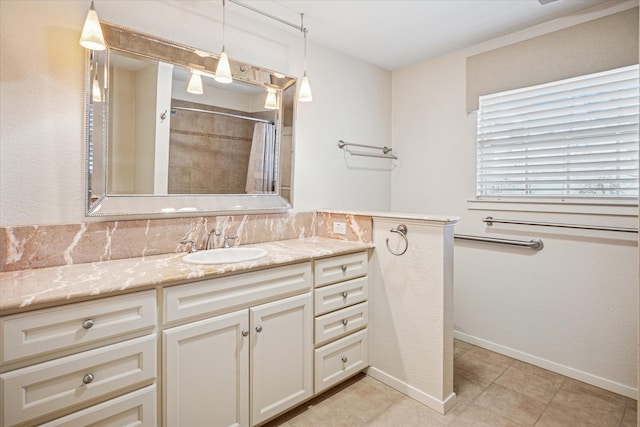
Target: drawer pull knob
245,333
345,294
344,322
87,379
344,267
344,359
258,329
88,324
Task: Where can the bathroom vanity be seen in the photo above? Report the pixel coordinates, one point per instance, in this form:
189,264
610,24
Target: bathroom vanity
189,345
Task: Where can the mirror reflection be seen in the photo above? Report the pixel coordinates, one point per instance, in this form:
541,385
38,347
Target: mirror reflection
160,126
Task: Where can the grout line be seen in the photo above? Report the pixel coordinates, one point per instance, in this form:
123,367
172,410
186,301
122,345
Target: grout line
551,400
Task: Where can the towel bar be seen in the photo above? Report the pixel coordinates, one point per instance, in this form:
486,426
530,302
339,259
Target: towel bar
535,244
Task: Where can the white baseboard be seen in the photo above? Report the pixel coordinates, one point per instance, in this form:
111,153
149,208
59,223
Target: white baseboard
441,406
550,365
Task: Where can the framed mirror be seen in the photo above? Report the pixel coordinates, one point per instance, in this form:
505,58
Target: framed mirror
164,138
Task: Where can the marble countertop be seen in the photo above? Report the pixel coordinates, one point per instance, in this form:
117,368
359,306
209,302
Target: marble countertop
25,290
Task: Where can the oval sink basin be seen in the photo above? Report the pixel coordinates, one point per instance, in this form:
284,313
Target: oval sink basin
224,256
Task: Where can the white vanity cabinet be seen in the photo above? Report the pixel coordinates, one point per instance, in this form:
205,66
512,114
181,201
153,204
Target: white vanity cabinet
60,360
245,353
341,318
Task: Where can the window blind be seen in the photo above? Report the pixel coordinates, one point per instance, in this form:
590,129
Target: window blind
572,138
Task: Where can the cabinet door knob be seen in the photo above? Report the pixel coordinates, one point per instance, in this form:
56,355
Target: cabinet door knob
344,267
258,329
344,322
345,294
344,359
245,333
88,324
87,379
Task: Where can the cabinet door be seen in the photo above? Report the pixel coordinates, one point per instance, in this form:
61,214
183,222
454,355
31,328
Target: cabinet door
206,367
282,355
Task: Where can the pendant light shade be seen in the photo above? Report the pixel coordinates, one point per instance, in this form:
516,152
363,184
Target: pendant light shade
96,92
92,37
223,70
304,95
271,102
195,84
305,90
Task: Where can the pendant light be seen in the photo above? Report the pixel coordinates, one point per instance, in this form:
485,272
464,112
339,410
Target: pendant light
96,92
271,102
195,83
223,70
92,37
305,89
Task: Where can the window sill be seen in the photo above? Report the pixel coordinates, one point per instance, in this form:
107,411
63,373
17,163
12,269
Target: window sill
595,207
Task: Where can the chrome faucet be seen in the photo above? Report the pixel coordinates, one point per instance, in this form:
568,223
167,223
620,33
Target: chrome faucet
211,243
191,243
225,244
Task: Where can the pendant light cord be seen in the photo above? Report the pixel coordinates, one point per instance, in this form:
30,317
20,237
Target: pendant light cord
223,22
304,31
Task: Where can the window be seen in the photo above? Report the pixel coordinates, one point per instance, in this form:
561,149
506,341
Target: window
575,138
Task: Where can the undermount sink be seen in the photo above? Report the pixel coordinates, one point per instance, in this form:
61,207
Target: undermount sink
224,256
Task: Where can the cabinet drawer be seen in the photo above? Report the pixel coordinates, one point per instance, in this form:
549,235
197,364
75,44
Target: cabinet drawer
132,409
341,359
340,295
40,389
226,294
55,329
343,267
340,323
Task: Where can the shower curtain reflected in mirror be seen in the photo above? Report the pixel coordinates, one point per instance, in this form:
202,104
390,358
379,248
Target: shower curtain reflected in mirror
262,160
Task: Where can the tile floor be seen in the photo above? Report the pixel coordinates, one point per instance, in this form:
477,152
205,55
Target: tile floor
493,390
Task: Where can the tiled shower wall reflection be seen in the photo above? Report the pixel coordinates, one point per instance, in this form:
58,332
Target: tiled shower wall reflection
209,153
37,246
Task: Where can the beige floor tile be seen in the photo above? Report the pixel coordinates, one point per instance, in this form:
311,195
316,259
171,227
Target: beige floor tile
408,413
553,417
467,385
484,364
595,407
313,418
517,398
578,387
630,415
510,404
460,348
478,416
392,394
534,382
361,400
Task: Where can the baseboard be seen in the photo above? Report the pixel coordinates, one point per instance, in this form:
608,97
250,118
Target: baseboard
550,365
442,406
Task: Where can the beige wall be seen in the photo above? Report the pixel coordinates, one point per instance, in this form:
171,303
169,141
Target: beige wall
42,107
571,307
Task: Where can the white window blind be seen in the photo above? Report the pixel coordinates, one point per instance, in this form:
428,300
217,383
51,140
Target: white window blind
575,138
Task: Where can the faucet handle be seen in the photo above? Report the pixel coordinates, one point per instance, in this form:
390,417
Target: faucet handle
192,243
226,240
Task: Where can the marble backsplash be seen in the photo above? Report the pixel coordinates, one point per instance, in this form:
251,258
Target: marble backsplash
35,246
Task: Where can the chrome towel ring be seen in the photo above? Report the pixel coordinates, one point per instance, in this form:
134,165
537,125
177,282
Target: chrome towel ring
402,231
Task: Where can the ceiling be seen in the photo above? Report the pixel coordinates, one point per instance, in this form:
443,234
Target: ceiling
396,33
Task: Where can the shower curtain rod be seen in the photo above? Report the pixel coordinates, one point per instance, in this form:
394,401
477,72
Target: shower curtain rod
535,244
237,116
